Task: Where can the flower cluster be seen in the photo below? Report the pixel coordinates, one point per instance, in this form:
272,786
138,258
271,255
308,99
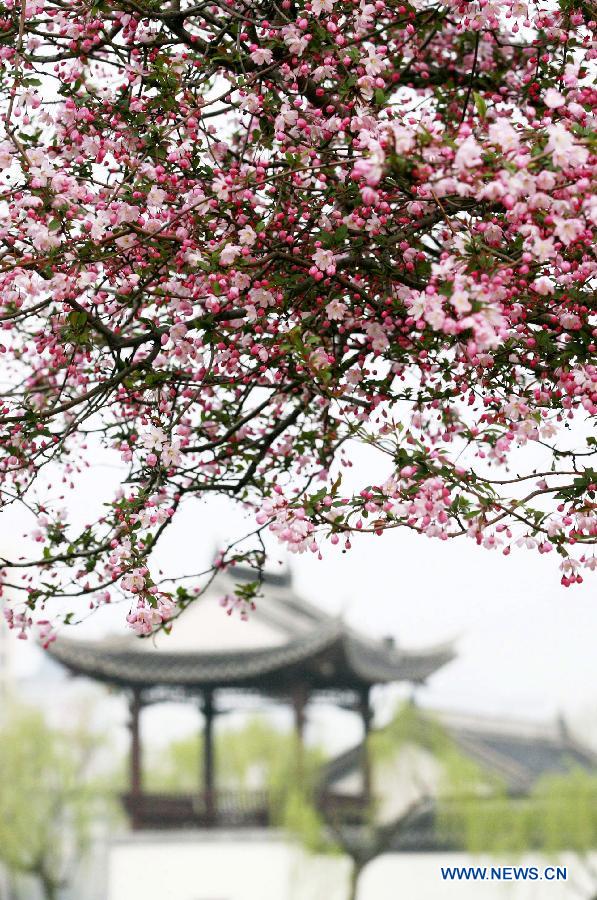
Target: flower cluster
23,623
290,524
233,603
149,613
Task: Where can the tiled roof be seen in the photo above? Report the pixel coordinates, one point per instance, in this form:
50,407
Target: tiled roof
518,758
330,656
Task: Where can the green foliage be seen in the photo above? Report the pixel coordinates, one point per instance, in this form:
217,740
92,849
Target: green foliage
480,105
474,807
176,769
485,822
299,815
48,799
256,756
259,756
560,813
565,811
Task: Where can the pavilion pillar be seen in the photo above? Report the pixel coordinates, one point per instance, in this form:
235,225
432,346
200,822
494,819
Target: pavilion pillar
136,777
366,717
300,697
209,756
135,759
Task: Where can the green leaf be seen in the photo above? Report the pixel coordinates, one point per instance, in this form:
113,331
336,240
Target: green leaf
77,320
340,234
153,379
480,105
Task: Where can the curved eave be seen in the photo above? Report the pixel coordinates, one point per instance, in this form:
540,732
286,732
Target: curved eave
326,658
380,665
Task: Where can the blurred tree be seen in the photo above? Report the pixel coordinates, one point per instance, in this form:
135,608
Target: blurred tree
50,800
558,815
418,749
256,756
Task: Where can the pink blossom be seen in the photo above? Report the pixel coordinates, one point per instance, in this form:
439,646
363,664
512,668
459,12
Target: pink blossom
553,99
134,581
321,6
468,154
171,454
153,439
261,56
323,259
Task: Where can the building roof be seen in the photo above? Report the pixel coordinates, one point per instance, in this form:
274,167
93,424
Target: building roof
518,753
293,641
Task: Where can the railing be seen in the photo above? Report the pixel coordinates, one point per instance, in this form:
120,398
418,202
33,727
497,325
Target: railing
345,809
227,809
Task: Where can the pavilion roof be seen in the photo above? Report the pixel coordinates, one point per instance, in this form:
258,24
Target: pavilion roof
329,657
287,641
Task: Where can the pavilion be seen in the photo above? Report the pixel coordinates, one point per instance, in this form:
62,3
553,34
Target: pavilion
290,651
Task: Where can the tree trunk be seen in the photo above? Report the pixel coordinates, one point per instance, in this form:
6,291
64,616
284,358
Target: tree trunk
49,888
353,885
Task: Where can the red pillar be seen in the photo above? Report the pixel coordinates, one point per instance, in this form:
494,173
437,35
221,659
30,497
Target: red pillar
366,716
209,756
136,768
134,725
300,697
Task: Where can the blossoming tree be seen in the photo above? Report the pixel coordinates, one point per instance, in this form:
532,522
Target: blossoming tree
238,236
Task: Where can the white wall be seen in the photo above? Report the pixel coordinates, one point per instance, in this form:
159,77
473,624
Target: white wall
262,865
417,876
242,865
